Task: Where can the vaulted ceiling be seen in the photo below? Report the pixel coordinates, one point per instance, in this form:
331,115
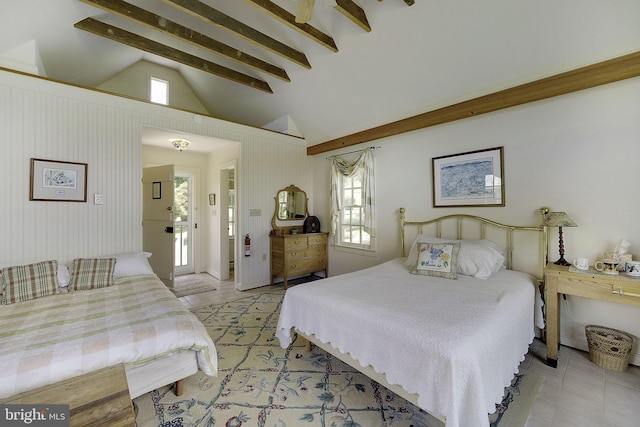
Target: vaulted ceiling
354,65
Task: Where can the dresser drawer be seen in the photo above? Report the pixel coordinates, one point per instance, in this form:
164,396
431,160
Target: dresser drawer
318,263
298,253
306,265
298,266
297,242
317,239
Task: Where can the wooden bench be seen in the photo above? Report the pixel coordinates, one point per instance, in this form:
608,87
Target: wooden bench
97,398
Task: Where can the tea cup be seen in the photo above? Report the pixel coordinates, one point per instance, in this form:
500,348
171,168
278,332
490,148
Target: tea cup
581,263
632,268
607,266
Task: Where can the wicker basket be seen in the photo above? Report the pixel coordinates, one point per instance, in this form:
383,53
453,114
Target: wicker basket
609,348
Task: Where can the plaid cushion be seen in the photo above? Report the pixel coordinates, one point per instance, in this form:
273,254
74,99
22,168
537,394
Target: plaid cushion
91,273
25,282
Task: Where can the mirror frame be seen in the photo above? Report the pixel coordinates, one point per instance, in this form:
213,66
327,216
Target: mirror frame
275,218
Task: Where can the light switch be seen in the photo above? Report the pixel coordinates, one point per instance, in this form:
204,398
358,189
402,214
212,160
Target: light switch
97,199
255,212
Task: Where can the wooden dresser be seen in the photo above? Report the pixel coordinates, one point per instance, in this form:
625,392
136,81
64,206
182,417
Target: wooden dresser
298,254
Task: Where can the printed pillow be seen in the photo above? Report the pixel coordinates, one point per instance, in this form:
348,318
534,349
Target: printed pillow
437,259
412,258
91,273
25,282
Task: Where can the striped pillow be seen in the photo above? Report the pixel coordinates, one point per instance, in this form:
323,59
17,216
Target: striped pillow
25,282
91,273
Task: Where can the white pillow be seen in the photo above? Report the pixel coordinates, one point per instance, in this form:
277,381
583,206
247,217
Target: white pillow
64,277
477,258
132,264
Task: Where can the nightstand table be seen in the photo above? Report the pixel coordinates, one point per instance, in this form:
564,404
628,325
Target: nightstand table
590,284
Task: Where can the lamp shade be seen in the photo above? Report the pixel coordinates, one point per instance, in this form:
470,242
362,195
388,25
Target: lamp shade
558,219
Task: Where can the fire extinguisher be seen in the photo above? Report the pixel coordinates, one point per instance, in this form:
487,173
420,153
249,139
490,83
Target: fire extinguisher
247,245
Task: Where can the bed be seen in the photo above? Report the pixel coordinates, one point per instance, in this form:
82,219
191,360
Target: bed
448,341
110,312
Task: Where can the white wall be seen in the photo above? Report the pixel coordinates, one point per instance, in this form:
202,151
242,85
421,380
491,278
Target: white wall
45,119
134,81
577,153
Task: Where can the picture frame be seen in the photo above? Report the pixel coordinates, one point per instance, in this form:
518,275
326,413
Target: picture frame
212,199
58,181
471,179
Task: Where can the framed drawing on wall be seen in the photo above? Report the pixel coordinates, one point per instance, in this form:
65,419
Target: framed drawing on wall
53,180
475,178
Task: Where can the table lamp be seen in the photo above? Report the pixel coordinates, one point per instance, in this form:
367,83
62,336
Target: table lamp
558,219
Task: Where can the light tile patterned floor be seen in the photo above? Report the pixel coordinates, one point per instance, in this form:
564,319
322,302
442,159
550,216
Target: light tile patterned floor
575,394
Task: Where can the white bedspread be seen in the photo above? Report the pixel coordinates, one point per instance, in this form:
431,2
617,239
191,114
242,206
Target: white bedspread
53,338
456,343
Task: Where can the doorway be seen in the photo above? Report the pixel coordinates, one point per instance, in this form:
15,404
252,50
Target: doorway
184,225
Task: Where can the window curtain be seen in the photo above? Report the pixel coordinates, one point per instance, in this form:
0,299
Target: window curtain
340,166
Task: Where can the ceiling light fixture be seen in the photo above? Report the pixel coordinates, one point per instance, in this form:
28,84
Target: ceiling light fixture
180,144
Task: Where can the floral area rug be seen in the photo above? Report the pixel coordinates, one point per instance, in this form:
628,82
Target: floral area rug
261,384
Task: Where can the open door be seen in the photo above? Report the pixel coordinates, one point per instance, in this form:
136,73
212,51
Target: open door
157,220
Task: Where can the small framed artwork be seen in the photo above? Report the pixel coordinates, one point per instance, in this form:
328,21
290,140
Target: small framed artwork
475,178
53,180
156,190
212,199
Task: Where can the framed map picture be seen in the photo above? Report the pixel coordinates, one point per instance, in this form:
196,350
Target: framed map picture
52,180
475,178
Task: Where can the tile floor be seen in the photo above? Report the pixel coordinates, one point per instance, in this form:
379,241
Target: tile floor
577,393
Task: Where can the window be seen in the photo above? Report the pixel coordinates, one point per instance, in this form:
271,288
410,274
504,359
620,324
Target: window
352,231
232,212
352,202
159,91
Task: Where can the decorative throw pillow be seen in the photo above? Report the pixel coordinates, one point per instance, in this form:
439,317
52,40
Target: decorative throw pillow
437,259
25,282
91,273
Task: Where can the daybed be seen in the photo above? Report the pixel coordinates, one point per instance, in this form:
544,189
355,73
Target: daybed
113,311
448,337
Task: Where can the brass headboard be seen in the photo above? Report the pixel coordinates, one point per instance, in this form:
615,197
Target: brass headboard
463,226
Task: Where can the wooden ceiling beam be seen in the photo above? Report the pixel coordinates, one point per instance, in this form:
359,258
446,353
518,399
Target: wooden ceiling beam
612,70
164,25
219,19
288,19
354,12
304,11
130,39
